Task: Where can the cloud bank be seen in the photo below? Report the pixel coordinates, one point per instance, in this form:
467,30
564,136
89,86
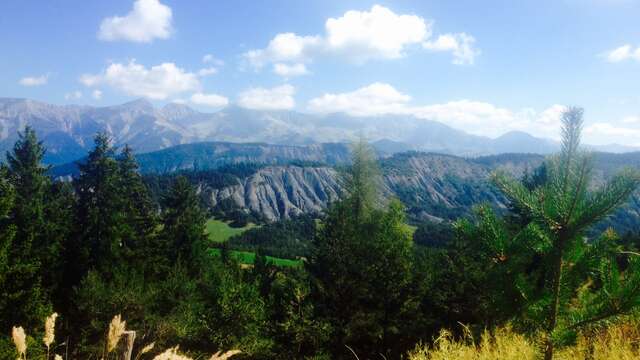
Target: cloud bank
361,36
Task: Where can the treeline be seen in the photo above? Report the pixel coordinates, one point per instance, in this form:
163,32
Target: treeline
100,246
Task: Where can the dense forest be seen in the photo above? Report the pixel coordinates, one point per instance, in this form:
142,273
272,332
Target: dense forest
113,246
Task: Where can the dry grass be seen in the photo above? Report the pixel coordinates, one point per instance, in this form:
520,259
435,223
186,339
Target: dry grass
49,331
20,341
224,355
117,328
619,342
503,344
171,354
174,354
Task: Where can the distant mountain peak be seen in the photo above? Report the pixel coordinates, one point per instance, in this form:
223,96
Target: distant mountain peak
515,134
139,104
173,111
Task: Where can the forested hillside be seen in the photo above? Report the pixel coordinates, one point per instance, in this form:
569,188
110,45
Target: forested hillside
433,187
369,259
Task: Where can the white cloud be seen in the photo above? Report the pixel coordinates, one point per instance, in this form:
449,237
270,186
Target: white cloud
623,53
475,117
608,132
625,131
212,100
375,99
157,82
210,59
34,80
90,80
359,36
148,20
207,71
286,70
75,95
285,47
277,98
378,33
96,94
631,120
460,45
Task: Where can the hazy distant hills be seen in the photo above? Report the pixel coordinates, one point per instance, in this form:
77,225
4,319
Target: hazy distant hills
68,131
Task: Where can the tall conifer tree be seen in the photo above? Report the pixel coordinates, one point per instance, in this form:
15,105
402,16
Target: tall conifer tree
28,301
361,265
139,222
99,215
183,234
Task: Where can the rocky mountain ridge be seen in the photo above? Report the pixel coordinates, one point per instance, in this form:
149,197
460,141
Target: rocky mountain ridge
433,187
68,130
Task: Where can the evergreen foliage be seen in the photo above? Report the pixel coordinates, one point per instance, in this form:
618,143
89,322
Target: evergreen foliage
98,241
361,266
26,300
577,281
183,232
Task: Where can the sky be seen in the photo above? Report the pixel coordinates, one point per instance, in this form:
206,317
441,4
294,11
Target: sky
486,67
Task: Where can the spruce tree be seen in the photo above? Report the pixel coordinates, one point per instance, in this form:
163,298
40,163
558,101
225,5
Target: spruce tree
59,212
582,283
7,229
7,234
139,221
26,297
183,238
99,215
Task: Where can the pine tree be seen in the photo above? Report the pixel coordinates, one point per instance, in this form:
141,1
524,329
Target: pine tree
27,300
361,265
583,283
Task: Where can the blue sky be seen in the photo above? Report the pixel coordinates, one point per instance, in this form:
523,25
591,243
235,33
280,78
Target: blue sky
486,67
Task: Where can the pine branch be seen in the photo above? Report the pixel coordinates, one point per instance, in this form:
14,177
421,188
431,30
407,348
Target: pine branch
612,195
580,188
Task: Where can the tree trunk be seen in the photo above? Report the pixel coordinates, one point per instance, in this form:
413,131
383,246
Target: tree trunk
126,350
555,289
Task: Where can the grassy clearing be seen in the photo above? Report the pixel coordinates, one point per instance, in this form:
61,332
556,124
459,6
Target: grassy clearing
247,257
220,231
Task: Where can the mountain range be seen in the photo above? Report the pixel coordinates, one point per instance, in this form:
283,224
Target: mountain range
67,131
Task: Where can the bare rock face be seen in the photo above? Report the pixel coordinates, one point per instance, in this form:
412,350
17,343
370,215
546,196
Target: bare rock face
278,192
433,187
429,177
